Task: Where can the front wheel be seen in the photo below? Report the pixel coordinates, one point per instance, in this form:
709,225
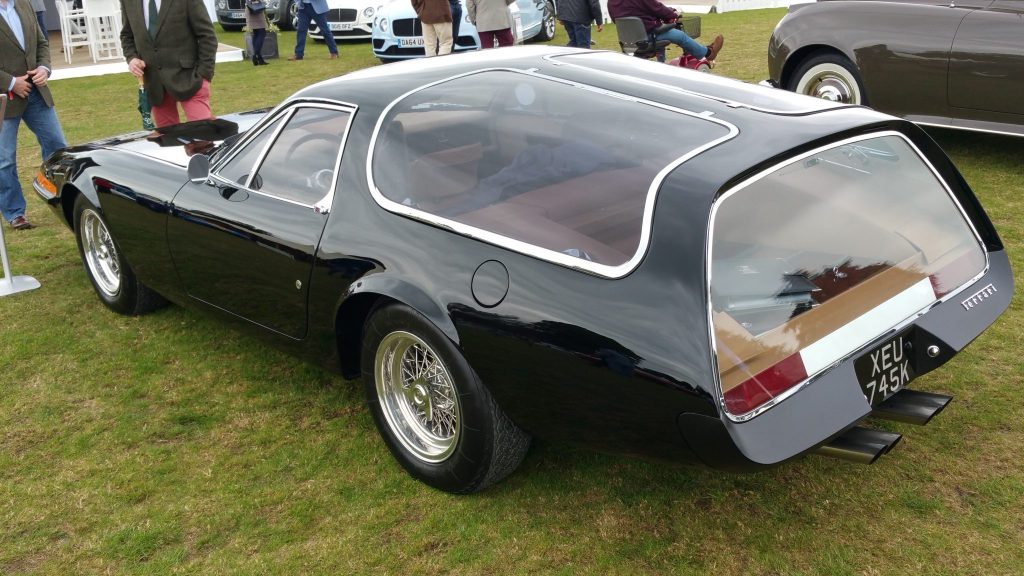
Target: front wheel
111,276
286,15
831,77
547,25
437,418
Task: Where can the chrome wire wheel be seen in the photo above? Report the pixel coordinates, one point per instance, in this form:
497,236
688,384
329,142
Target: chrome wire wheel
417,396
100,253
830,81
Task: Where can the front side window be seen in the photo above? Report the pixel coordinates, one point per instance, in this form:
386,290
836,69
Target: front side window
559,168
301,162
240,166
823,255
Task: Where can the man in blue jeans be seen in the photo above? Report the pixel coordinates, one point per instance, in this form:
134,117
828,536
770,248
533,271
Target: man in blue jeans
312,10
24,70
654,14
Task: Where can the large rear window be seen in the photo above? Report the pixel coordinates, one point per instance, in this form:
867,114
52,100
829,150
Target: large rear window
558,170
824,254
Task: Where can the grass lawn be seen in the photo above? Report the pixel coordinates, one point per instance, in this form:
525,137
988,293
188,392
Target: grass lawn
172,444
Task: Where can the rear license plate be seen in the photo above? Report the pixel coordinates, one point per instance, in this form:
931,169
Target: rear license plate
236,15
341,26
410,41
886,369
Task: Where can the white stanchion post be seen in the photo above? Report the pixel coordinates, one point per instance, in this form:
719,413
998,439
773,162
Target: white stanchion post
13,284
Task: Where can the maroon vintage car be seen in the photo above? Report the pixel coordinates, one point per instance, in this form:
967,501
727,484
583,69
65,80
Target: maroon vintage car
941,63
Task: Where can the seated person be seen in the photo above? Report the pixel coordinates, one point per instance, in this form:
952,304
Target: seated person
653,13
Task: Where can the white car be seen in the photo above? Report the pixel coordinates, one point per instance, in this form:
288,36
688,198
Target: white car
398,34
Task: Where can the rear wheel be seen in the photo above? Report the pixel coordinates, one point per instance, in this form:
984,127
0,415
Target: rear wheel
829,76
111,277
437,418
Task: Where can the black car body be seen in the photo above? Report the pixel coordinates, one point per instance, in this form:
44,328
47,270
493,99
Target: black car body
934,62
571,244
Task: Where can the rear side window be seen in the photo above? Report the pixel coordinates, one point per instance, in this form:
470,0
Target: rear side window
557,170
824,254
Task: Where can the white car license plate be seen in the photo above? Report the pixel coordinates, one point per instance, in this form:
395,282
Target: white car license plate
887,369
236,15
341,26
410,41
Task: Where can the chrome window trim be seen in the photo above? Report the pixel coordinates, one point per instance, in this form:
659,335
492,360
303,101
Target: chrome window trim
285,112
679,90
899,326
603,270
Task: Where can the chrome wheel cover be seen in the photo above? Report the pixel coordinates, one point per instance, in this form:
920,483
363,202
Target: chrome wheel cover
417,397
100,253
830,82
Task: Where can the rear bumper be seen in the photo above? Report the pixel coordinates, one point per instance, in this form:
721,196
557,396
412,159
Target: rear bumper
833,403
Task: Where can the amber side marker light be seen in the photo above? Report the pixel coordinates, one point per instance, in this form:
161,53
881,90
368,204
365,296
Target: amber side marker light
45,183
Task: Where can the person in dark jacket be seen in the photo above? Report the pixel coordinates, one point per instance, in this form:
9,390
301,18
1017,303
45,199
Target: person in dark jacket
436,18
654,14
576,16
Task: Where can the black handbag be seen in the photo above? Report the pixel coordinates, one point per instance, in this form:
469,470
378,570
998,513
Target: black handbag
257,6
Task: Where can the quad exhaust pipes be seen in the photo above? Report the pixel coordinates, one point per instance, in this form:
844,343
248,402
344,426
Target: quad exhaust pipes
860,445
911,406
865,445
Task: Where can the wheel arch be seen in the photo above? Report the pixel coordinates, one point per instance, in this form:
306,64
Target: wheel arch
366,296
804,53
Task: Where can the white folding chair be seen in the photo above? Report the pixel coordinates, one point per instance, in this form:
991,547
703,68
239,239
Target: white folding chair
73,29
104,24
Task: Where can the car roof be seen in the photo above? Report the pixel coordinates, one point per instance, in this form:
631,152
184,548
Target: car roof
767,121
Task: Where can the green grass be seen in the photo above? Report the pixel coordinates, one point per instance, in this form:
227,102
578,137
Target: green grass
171,444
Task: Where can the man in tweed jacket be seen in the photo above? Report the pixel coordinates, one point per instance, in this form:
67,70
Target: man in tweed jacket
24,72
172,46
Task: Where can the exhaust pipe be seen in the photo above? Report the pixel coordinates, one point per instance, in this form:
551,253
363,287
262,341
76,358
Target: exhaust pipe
861,445
911,406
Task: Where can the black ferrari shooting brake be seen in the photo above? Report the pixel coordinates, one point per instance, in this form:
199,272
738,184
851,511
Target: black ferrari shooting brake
576,245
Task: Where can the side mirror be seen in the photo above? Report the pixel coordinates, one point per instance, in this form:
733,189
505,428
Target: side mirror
199,169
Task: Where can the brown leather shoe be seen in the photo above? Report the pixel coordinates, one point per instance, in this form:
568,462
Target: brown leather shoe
20,223
714,47
333,56
294,58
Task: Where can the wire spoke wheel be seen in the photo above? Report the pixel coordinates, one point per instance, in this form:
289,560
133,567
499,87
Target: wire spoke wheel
100,253
417,396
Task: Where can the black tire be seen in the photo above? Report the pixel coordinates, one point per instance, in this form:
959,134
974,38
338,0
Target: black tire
476,444
284,15
831,76
111,276
547,26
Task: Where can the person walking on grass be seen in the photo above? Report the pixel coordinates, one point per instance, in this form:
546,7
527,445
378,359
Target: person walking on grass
24,71
492,20
576,16
436,18
312,10
172,46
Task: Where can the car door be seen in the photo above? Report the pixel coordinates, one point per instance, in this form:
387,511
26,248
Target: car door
244,240
986,65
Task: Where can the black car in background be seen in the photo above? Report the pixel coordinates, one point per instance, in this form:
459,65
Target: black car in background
579,245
